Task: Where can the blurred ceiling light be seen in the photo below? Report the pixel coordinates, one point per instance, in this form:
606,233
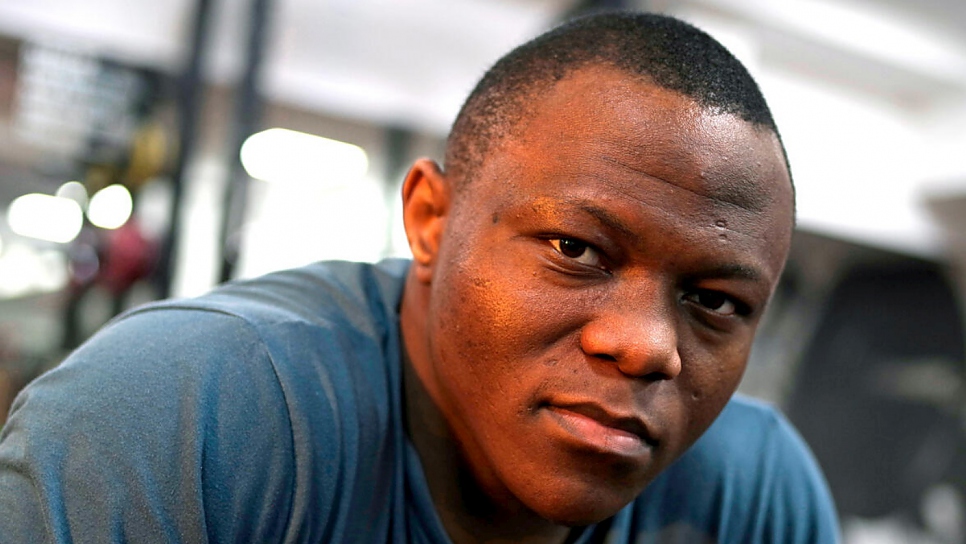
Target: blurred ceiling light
878,34
45,217
110,207
25,269
75,191
283,155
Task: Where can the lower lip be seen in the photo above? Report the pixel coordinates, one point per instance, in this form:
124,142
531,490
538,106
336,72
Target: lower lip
600,437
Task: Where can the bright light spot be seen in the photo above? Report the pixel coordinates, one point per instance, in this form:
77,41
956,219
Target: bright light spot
283,155
110,207
45,217
75,191
25,269
293,225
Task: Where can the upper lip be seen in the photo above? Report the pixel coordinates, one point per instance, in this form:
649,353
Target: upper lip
610,418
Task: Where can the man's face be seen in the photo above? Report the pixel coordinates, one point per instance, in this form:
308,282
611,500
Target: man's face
596,290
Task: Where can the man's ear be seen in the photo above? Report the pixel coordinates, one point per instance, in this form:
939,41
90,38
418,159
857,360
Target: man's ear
426,203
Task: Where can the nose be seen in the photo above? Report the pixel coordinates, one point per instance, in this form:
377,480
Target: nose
640,338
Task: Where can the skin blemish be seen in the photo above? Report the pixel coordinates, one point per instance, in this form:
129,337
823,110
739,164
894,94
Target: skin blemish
496,217
721,224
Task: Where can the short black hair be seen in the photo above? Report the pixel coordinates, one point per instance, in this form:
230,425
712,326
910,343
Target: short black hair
660,49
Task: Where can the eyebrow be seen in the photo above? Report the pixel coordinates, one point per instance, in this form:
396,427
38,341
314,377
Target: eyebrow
605,217
608,219
735,271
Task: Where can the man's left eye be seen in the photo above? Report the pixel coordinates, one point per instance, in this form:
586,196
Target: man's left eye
714,301
576,250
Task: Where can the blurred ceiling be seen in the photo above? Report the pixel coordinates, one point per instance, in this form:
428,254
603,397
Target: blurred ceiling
397,62
411,62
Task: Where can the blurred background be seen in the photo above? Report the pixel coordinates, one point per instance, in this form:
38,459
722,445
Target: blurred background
156,149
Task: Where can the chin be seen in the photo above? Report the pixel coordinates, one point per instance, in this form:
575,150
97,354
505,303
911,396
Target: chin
582,515
580,507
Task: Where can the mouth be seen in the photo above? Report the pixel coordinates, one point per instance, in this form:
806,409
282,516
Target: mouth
597,428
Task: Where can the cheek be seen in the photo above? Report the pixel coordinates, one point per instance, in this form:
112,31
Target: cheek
474,318
499,332
496,301
707,381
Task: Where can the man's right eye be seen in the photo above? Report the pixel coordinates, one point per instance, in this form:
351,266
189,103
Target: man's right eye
577,250
713,301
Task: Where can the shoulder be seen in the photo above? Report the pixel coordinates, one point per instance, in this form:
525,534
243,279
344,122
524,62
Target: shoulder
323,326
145,430
319,339
322,294
247,335
749,478
748,425
255,392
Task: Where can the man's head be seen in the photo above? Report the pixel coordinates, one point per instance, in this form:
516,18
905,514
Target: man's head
590,269
661,50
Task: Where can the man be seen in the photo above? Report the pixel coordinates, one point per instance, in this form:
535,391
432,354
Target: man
588,271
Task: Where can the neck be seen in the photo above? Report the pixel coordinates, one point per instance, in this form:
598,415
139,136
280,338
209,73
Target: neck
470,512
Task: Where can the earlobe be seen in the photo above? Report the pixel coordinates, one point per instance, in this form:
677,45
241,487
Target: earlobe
426,201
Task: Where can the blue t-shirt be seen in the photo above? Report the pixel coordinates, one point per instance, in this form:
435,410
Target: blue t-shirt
270,411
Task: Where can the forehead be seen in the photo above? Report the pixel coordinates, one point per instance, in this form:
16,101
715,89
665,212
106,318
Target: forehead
659,132
601,135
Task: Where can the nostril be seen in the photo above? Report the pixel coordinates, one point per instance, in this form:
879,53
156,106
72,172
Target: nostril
607,357
657,376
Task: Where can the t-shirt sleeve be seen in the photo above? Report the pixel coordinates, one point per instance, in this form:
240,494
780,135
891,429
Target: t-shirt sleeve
170,425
